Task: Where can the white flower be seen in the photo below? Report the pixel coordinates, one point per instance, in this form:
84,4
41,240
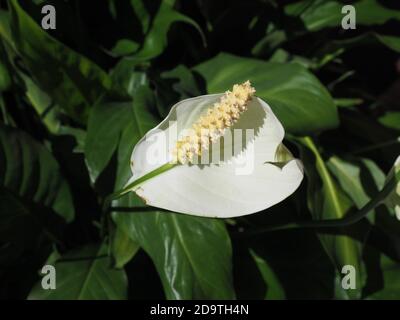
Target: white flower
225,155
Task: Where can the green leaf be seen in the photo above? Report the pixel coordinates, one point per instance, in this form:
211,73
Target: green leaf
142,14
73,81
348,102
124,47
106,122
390,271
391,119
192,255
392,202
5,80
184,82
326,200
123,249
78,134
389,41
24,228
156,39
84,274
320,14
29,171
42,103
359,180
110,122
125,77
275,290
296,97
141,122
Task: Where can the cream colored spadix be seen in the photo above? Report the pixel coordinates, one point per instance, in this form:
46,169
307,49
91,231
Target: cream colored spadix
243,168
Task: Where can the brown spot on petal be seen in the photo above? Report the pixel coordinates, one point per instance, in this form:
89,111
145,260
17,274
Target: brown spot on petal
141,196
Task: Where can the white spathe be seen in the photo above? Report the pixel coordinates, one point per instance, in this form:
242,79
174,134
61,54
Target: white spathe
245,182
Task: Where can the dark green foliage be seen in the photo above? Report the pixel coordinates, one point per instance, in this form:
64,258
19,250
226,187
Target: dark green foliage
74,102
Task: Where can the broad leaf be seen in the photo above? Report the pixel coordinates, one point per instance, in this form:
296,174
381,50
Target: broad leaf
327,200
156,38
73,81
123,248
5,80
391,119
30,172
275,290
106,122
389,289
124,47
110,122
360,180
192,255
390,41
84,274
322,14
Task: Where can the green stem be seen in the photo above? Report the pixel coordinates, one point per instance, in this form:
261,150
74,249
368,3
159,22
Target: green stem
377,146
105,220
118,194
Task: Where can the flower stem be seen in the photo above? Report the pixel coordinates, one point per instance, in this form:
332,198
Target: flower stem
118,194
106,218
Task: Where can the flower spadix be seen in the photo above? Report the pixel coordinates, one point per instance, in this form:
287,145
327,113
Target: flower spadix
218,155
212,126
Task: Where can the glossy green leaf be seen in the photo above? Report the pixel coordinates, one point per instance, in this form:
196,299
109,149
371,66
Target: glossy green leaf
124,47
125,76
42,103
391,119
155,40
73,81
5,80
296,97
320,14
110,122
104,129
275,290
123,248
183,82
386,276
360,180
192,255
390,41
393,200
142,120
84,274
327,200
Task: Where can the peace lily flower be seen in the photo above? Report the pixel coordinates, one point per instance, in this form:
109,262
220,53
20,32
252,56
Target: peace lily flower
218,155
